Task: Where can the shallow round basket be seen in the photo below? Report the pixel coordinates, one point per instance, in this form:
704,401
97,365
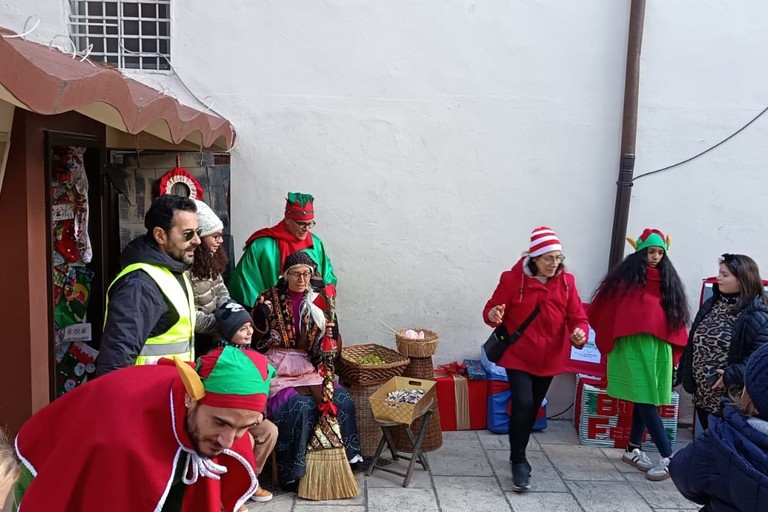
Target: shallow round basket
417,348
360,374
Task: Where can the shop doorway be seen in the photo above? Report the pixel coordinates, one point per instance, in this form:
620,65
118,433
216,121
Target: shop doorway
83,249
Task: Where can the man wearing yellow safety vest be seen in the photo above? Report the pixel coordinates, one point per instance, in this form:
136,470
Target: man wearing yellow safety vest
150,304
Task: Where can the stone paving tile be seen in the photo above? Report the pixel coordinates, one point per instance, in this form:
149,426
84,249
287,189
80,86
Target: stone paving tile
281,503
544,476
478,494
491,441
658,494
470,472
557,432
419,480
543,501
696,509
608,497
402,500
581,462
464,457
311,507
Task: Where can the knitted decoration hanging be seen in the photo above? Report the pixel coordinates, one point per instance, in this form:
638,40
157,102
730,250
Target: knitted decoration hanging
180,175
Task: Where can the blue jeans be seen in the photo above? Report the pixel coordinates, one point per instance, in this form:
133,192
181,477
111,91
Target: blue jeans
647,416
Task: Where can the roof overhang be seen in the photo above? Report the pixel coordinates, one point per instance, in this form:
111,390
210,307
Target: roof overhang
47,81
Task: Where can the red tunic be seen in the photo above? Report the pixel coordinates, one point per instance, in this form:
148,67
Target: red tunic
635,311
543,348
114,443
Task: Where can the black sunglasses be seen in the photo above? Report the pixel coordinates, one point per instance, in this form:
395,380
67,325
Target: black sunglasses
190,234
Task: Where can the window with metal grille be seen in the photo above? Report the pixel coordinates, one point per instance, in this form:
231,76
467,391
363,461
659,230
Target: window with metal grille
129,34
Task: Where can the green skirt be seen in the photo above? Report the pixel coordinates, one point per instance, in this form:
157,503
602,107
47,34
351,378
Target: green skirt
640,370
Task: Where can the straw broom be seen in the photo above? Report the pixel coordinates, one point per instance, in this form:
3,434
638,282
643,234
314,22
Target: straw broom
328,475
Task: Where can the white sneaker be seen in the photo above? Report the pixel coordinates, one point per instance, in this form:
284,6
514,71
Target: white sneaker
261,495
660,471
637,458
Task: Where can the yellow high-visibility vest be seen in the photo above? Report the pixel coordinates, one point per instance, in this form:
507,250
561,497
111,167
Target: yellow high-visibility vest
178,340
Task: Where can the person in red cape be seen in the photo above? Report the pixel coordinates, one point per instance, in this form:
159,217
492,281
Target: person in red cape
266,250
538,280
165,437
639,313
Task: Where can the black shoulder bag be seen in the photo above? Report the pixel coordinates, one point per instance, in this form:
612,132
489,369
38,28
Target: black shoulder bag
500,339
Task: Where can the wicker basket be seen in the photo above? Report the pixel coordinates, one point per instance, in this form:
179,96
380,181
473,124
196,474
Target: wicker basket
369,430
369,374
417,348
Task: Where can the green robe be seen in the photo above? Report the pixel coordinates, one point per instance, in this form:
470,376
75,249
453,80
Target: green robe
259,269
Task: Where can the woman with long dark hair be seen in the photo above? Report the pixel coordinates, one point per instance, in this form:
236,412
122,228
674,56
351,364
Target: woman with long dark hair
639,313
729,326
206,276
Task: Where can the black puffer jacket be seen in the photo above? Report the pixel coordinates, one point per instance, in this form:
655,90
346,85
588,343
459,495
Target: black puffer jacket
750,331
137,308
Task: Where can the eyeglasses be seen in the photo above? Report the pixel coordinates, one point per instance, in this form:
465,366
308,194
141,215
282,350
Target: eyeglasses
304,225
305,275
552,259
218,237
189,234
731,260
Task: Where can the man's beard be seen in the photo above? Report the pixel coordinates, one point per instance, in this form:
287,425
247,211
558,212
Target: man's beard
194,432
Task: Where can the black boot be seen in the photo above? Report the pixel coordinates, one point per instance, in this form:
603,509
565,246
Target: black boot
527,465
520,477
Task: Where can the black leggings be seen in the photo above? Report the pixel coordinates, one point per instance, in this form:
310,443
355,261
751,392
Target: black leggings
527,393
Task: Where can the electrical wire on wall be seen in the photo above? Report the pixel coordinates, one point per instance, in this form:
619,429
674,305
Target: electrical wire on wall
694,157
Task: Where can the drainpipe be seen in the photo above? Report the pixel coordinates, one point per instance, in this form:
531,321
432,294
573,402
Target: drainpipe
628,132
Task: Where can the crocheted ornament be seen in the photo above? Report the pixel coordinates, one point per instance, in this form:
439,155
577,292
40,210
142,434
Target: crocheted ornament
180,175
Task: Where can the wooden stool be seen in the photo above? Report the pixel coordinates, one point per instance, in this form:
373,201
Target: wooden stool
416,455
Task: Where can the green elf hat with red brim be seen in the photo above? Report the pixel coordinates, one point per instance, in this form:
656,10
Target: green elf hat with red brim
230,378
650,238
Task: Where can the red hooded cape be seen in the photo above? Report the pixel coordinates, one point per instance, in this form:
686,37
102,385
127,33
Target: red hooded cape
286,242
114,444
635,311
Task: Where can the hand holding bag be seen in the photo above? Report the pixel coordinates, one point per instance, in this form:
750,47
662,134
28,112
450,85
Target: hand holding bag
501,339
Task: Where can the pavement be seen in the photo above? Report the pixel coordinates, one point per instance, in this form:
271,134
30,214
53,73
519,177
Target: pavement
470,473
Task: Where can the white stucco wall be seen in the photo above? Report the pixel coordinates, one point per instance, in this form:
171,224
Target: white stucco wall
436,134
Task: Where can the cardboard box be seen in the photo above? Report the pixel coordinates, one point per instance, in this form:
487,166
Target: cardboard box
400,412
607,421
462,402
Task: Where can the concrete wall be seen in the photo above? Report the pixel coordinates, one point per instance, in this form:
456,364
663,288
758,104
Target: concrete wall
436,134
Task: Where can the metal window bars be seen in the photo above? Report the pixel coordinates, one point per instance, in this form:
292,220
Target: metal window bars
128,34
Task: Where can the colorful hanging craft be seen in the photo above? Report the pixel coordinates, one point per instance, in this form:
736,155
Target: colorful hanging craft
179,175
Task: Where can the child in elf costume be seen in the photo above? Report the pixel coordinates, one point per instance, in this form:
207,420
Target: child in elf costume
639,313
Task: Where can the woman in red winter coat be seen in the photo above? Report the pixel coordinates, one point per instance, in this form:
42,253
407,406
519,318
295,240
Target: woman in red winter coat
538,279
